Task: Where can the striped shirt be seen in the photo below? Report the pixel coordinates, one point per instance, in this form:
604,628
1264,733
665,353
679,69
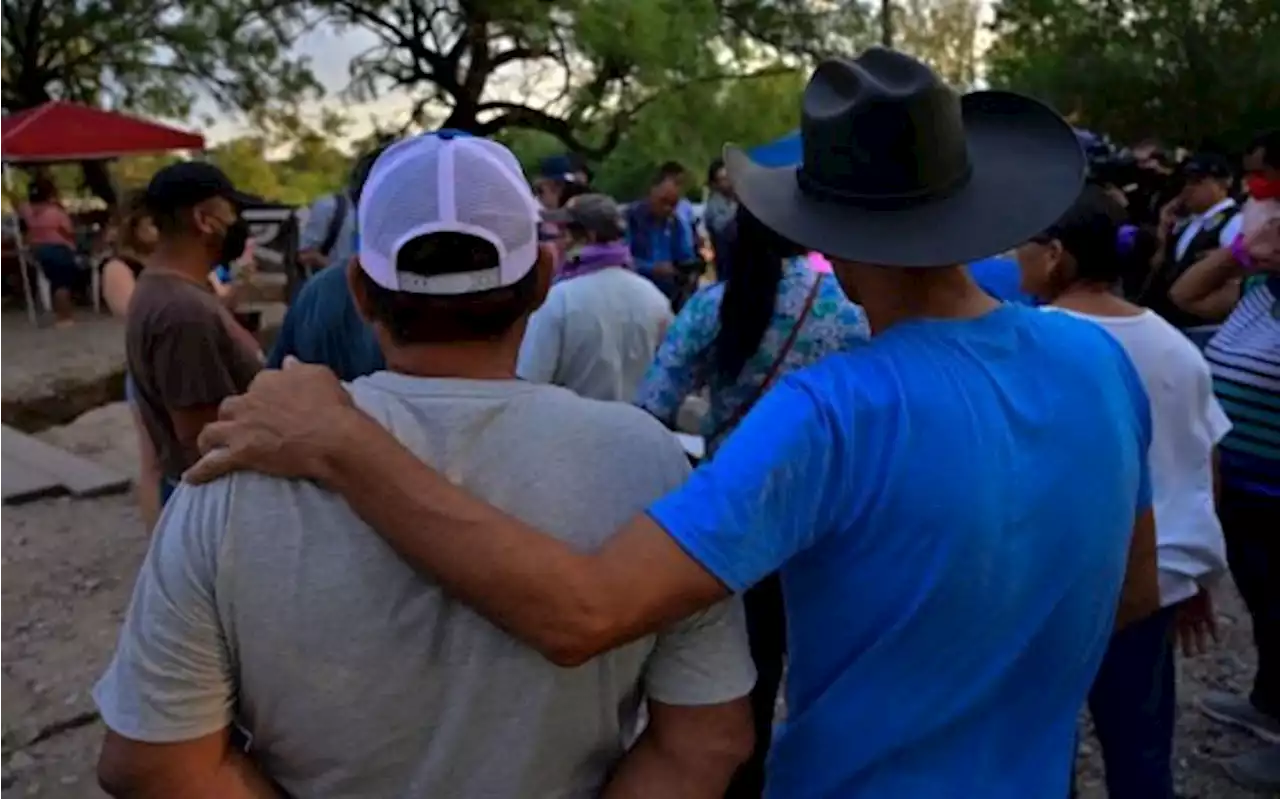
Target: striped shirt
1245,360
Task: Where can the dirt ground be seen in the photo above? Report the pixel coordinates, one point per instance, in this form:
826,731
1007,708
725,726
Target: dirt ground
69,567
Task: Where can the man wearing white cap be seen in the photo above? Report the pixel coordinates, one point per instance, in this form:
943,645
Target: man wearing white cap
268,606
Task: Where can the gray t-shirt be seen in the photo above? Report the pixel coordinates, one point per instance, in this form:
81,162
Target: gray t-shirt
596,334
268,602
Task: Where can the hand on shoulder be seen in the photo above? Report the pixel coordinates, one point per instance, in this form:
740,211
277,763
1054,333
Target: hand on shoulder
287,424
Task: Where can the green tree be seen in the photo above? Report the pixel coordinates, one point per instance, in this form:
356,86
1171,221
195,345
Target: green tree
943,34
690,127
580,71
245,161
313,166
1198,72
152,56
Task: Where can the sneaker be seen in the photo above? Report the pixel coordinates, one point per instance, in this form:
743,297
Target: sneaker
1258,770
1238,711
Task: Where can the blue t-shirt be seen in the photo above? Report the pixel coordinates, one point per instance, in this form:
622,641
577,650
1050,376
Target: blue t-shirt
323,326
1001,278
951,507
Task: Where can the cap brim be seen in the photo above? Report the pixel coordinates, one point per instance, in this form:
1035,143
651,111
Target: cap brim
1028,168
245,201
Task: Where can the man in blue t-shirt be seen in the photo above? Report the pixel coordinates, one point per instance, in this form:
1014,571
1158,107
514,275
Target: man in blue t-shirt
953,508
322,325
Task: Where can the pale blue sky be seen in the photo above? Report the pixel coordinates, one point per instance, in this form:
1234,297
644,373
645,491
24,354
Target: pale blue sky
330,52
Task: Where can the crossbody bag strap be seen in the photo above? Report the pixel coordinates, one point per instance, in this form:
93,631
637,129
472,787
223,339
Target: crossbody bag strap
772,374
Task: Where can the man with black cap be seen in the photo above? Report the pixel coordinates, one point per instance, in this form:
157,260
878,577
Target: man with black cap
1201,219
951,506
268,604
185,351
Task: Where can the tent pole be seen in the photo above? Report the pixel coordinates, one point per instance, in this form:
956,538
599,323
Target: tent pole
22,251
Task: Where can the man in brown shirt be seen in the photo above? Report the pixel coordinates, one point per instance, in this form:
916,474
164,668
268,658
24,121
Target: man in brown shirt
185,351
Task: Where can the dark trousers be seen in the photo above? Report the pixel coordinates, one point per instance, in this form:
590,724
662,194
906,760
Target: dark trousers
767,629
1132,701
58,262
1251,524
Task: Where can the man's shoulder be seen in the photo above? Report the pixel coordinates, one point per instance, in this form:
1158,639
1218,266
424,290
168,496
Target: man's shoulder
327,286
618,420
201,517
624,430
615,281
162,301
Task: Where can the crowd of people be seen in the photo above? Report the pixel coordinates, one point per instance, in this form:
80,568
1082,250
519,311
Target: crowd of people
972,477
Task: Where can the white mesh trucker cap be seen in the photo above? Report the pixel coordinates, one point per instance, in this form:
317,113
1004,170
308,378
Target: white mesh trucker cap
447,182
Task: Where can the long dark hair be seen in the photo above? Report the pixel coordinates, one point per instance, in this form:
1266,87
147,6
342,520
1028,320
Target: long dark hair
750,292
131,216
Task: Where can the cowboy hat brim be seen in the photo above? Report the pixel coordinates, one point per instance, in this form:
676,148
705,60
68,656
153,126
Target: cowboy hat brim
1027,170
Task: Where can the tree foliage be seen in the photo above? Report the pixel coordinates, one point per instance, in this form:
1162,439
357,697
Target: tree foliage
690,127
293,166
943,34
153,56
578,70
1198,72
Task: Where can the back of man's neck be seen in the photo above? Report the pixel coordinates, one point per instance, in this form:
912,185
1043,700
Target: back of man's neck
901,296
464,361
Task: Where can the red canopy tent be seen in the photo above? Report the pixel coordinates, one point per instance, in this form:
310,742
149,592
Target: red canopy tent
63,131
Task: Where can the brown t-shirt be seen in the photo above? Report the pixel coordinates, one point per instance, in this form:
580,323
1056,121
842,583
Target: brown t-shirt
182,355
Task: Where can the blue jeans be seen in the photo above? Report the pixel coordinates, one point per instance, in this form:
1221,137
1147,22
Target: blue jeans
1132,702
59,265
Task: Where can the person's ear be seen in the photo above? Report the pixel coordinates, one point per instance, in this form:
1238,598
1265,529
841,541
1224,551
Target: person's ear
1059,268
358,289
204,217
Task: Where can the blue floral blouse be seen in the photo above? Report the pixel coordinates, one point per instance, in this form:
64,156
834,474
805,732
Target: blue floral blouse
684,364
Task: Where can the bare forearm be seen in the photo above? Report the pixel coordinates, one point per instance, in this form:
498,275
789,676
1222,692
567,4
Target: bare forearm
1140,594
528,583
1204,279
236,778
648,771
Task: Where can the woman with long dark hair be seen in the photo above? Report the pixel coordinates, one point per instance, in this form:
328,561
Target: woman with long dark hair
734,339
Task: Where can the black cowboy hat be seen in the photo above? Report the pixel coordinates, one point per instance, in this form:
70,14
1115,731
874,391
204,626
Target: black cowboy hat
899,170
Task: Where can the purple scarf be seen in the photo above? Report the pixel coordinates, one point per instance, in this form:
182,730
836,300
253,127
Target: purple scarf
592,258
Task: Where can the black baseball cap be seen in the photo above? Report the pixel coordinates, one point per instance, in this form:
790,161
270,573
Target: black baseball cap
188,183
1207,165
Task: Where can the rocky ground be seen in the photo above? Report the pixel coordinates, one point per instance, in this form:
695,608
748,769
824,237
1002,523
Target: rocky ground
69,566
51,376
